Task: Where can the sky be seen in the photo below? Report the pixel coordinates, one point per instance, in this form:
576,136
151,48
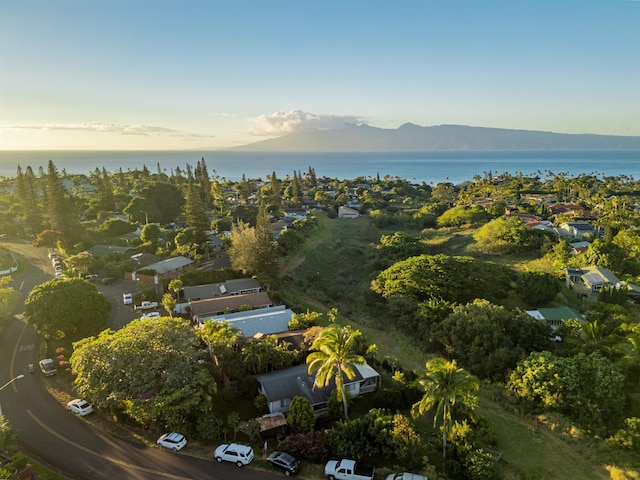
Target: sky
213,74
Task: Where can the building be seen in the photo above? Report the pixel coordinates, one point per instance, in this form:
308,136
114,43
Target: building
346,212
237,286
587,283
255,323
282,386
212,307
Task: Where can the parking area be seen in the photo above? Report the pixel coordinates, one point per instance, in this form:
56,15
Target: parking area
121,314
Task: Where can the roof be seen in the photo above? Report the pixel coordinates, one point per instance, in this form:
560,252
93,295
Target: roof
297,382
265,321
560,313
231,303
580,226
102,250
213,290
169,265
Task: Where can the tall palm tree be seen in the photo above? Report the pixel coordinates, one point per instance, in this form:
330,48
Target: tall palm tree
444,384
333,356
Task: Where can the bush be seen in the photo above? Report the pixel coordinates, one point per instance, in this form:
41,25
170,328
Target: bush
311,446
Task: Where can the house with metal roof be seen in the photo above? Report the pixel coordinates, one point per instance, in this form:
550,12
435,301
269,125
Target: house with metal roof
588,281
255,323
237,286
577,230
282,386
556,315
230,304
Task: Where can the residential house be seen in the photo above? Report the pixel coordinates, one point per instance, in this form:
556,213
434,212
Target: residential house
587,283
229,304
255,323
555,316
166,267
579,247
577,230
346,212
282,386
236,286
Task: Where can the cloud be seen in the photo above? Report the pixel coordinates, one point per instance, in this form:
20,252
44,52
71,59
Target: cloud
138,129
282,123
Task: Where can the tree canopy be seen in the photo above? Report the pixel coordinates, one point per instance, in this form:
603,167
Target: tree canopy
66,307
147,370
456,279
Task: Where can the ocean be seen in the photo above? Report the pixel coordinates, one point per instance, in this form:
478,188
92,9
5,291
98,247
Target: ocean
417,167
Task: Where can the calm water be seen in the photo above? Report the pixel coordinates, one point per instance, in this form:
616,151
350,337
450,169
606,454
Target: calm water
429,167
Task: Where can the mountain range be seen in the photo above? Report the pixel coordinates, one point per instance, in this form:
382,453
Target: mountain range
411,137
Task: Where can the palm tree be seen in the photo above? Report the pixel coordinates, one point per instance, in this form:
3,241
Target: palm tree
333,355
630,350
444,384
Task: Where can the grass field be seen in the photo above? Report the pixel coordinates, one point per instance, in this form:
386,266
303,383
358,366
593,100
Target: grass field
331,271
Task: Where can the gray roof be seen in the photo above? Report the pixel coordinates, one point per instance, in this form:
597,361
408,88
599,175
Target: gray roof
297,382
102,250
265,321
169,265
212,290
232,303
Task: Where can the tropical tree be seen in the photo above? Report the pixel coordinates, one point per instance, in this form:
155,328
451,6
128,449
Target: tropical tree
66,307
444,386
333,356
225,346
147,370
301,417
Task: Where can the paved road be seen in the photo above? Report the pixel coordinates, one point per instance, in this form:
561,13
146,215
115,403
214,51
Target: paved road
64,442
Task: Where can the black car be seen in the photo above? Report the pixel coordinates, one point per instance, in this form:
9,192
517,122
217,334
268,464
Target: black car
284,461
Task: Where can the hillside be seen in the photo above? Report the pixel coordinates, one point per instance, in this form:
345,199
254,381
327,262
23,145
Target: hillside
410,137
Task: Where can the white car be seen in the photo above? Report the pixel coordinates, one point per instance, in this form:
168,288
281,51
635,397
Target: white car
149,315
234,452
406,476
127,298
173,441
81,407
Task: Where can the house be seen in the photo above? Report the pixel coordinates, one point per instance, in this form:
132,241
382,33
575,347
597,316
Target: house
282,386
576,230
579,247
255,323
229,304
346,212
237,286
555,316
587,283
169,266
103,250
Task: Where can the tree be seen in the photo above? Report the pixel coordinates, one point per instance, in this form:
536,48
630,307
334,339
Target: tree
605,254
225,346
168,303
444,386
253,250
147,370
301,417
586,388
150,233
66,307
507,236
195,214
81,263
455,279
167,200
60,206
489,339
333,356
537,288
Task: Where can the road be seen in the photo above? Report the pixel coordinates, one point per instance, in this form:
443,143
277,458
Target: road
65,443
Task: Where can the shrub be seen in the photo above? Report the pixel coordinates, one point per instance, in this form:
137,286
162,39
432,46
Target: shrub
311,446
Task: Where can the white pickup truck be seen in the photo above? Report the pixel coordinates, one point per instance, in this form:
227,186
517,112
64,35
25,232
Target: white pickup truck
347,470
146,305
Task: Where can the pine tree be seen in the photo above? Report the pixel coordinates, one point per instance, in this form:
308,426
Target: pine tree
28,197
265,250
195,214
60,211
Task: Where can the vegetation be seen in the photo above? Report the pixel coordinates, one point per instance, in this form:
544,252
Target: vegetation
439,271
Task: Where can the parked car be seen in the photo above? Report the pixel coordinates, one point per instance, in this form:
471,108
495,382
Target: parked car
234,452
127,298
173,441
283,461
406,476
149,315
47,367
91,277
108,280
81,407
